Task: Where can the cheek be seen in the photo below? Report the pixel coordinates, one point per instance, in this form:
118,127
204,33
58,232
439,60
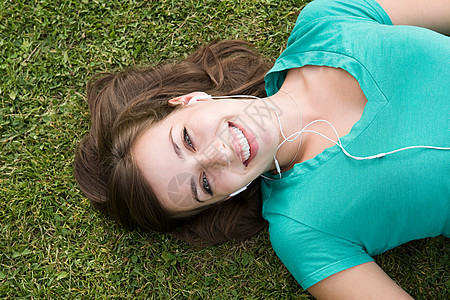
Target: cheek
206,121
217,178
226,182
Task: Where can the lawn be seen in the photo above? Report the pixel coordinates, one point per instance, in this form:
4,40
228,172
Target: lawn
52,243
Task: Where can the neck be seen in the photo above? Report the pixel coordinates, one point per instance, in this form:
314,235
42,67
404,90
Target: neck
292,119
321,93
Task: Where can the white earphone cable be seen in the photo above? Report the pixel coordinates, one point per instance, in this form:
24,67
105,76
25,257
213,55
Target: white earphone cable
298,134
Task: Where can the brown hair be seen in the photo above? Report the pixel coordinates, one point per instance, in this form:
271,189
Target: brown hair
124,104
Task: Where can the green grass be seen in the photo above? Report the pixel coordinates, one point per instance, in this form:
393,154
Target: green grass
52,243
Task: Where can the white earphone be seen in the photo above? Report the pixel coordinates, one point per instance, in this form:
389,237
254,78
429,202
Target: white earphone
298,134
196,98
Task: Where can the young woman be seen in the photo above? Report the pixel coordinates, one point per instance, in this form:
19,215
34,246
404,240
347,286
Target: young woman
348,92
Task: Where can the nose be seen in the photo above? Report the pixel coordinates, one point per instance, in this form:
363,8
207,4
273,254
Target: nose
216,154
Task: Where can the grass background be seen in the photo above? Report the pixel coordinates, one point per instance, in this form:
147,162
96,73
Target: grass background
52,243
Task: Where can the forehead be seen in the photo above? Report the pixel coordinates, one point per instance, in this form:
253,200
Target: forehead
168,175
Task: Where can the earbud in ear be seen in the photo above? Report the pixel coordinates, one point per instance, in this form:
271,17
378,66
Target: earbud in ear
196,98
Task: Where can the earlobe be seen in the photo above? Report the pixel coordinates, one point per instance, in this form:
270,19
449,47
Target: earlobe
188,99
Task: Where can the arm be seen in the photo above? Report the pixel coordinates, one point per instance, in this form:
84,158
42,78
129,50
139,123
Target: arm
434,15
366,281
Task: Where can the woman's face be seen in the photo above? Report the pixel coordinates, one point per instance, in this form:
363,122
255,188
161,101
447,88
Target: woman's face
205,151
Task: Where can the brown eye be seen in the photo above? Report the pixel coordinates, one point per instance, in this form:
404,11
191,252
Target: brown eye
187,139
205,185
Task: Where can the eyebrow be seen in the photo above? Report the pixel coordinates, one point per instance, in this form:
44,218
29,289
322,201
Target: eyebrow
175,146
180,155
194,190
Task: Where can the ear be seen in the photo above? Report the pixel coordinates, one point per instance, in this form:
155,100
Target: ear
189,99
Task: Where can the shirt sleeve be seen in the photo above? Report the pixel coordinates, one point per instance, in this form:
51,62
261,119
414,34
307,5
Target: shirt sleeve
321,26
311,255
368,10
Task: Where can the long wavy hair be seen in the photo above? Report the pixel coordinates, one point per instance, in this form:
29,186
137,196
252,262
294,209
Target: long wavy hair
122,105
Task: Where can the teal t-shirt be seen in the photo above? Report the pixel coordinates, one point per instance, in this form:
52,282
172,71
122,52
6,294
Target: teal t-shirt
331,212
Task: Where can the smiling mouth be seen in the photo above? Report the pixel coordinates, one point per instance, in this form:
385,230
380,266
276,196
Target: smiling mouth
242,141
242,145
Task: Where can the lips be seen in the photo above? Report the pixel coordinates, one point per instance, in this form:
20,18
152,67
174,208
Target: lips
244,143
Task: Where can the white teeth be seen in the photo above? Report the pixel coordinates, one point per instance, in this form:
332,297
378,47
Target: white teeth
243,143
